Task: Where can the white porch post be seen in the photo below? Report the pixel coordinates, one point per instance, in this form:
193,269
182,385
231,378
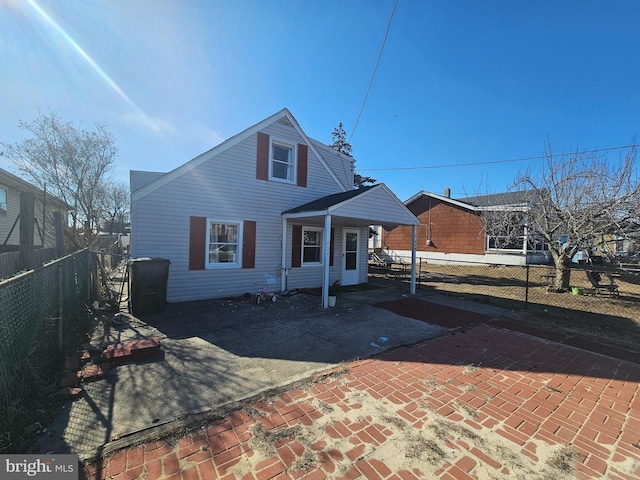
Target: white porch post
326,248
283,272
526,234
413,259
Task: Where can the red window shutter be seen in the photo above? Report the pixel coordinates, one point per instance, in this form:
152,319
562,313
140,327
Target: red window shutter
249,244
296,246
333,231
262,157
197,238
302,165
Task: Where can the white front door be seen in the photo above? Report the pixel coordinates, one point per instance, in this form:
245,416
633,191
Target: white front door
350,257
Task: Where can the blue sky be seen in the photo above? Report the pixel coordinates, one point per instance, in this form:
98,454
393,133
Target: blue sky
459,81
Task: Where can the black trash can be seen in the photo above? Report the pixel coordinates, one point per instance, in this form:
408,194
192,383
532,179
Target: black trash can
148,289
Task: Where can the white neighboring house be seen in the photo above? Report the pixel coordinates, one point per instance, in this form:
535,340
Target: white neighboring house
44,206
269,203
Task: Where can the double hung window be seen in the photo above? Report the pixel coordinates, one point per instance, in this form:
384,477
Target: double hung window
311,246
282,161
223,240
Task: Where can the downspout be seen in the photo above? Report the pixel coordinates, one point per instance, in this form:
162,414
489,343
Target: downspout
326,248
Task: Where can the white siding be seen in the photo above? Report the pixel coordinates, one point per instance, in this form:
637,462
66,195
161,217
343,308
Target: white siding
225,187
474,259
43,227
376,206
6,222
139,179
340,164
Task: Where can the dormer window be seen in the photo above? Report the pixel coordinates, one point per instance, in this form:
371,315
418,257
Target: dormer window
282,161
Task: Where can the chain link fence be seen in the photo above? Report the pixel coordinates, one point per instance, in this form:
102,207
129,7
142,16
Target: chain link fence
40,318
610,313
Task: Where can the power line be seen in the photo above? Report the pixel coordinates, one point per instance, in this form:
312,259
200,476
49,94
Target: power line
523,159
374,71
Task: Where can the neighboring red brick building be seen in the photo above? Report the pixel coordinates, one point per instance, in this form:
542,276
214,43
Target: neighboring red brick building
448,226
453,230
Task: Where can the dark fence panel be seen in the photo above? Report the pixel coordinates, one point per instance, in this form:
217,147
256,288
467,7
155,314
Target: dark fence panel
10,261
40,316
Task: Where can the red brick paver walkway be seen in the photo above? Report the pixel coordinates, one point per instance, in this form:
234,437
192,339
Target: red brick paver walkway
486,403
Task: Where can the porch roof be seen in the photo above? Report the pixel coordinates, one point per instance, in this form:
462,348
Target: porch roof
372,205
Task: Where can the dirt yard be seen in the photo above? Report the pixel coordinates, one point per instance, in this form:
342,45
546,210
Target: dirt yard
612,320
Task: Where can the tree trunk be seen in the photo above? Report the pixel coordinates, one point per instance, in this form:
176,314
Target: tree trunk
563,273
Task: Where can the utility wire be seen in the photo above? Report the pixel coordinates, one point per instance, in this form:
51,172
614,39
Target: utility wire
523,159
374,70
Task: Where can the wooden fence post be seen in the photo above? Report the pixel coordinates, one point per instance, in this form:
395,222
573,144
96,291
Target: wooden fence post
27,219
57,225
60,306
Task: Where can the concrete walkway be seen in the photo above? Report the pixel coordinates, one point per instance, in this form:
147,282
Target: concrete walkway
482,403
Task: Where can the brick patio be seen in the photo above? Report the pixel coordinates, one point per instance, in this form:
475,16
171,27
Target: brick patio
485,403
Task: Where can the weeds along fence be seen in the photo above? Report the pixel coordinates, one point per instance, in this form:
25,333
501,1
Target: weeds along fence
528,288
40,317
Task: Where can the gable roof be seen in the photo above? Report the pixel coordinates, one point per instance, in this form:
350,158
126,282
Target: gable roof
495,201
499,199
325,203
10,180
227,144
360,206
442,198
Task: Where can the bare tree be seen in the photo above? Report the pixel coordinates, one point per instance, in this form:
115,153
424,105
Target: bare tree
574,202
114,208
73,164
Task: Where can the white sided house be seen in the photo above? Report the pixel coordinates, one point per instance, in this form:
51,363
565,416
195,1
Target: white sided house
267,207
45,205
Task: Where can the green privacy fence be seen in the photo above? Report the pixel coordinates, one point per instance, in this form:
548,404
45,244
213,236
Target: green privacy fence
40,317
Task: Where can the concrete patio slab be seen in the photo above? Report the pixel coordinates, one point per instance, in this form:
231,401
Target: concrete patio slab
221,352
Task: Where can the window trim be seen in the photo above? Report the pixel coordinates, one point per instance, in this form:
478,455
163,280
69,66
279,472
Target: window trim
293,165
321,246
207,243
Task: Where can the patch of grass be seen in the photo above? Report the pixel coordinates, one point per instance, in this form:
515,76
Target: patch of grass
444,429
263,440
396,422
472,412
253,412
303,463
425,449
563,459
